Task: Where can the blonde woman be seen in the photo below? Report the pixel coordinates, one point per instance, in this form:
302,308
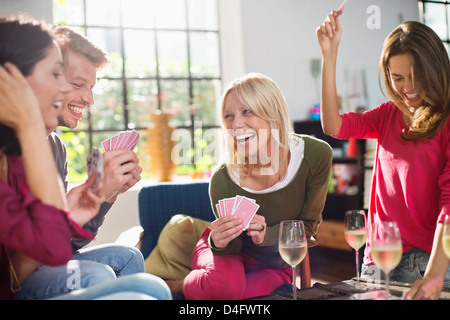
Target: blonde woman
287,174
411,181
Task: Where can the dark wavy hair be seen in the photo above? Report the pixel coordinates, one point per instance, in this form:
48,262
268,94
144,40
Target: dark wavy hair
24,41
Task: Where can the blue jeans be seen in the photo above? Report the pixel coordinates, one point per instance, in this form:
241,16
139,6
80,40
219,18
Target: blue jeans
139,286
412,267
89,267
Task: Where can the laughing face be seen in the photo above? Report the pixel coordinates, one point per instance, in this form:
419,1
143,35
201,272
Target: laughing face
48,83
401,71
81,74
250,132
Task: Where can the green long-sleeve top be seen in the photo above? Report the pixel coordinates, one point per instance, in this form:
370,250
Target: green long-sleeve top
303,198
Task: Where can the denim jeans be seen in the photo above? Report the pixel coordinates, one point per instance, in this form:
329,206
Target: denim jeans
411,268
139,286
88,268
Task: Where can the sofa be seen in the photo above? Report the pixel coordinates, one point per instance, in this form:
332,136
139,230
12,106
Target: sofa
160,203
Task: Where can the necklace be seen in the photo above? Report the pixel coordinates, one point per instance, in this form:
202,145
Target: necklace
15,283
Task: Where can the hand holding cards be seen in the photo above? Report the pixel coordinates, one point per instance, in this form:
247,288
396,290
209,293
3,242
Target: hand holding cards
123,140
95,165
240,206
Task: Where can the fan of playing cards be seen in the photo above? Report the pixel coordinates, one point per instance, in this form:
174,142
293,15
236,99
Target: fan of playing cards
240,206
94,163
123,140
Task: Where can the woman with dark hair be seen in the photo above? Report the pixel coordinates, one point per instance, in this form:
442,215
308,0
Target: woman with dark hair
35,224
411,179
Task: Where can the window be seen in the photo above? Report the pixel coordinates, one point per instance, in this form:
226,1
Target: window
165,55
436,14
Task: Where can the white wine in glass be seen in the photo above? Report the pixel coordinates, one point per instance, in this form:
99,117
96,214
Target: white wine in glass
292,246
386,247
355,232
446,236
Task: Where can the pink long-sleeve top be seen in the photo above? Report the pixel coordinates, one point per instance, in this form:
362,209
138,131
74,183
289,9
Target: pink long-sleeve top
411,179
40,231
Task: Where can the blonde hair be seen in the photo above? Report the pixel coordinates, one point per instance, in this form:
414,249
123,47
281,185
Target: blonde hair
431,72
259,94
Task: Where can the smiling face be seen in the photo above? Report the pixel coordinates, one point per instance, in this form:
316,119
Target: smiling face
81,74
250,133
403,82
48,83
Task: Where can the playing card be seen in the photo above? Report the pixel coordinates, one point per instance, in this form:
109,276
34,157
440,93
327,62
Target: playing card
219,210
123,140
243,207
94,163
246,210
341,8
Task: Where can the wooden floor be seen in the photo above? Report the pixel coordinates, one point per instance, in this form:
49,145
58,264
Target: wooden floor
331,265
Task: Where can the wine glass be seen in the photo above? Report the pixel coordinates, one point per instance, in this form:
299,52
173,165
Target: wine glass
292,246
446,236
355,232
386,247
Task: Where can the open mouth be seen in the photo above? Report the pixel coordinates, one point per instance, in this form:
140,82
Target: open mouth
57,104
76,110
245,138
412,96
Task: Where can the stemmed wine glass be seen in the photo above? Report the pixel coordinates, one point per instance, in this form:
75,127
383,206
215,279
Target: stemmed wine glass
292,246
386,247
355,232
446,236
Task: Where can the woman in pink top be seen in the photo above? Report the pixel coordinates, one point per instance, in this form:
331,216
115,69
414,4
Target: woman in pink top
411,180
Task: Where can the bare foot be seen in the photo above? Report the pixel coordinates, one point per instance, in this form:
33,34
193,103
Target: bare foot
176,286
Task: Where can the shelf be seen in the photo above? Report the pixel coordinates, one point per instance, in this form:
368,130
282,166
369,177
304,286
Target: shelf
331,231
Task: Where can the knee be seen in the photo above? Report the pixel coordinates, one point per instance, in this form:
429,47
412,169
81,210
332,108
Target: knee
90,273
206,285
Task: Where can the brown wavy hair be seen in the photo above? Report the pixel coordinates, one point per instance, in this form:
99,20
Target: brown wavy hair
431,72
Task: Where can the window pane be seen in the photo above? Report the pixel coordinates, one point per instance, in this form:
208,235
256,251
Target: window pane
207,95
435,18
175,99
140,53
68,12
448,23
109,41
170,14
203,14
172,54
142,101
103,12
213,148
77,150
108,112
138,13
204,47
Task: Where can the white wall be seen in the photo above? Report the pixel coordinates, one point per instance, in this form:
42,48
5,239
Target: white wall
279,40
39,9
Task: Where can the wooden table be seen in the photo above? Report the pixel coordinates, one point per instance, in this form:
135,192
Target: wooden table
345,290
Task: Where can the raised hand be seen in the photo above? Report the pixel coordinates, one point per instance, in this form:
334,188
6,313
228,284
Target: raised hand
329,34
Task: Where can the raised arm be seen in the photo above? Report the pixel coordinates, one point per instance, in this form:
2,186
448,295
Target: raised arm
329,36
